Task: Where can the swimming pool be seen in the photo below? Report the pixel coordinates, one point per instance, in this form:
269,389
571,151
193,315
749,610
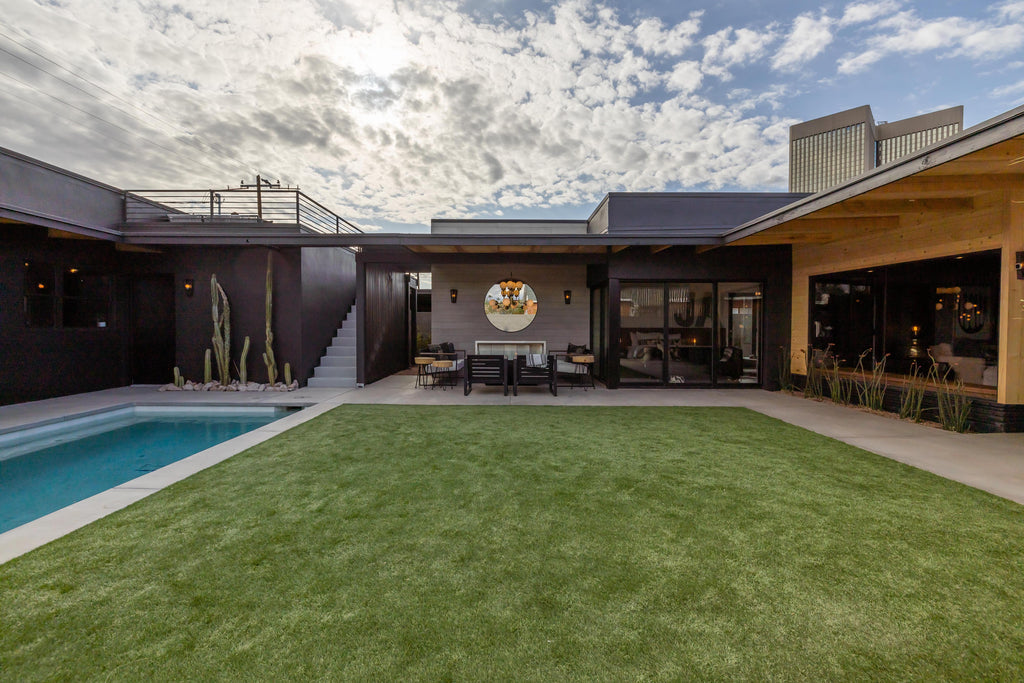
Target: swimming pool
46,468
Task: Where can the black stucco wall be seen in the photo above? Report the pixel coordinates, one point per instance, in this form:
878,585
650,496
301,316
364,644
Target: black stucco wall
38,362
312,290
328,290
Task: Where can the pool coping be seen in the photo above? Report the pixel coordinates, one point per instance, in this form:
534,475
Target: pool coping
52,526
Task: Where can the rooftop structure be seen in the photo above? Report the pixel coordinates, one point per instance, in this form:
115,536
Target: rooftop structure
832,149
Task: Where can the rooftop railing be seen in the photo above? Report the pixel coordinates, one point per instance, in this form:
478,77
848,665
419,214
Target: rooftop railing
243,206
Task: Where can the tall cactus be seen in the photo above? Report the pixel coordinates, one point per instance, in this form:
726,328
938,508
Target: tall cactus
221,331
243,370
207,374
268,355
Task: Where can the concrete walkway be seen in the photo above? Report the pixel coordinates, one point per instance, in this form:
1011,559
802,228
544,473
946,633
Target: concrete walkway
991,462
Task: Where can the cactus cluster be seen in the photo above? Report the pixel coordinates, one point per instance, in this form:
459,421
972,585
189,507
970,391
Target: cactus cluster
221,314
221,331
268,354
243,370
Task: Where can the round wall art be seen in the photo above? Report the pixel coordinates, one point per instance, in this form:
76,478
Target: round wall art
510,305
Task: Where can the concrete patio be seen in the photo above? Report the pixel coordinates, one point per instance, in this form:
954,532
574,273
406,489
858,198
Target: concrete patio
990,462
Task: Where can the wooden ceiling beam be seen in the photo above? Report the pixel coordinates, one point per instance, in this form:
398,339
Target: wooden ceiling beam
661,247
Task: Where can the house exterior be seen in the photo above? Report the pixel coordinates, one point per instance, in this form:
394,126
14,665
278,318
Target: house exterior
916,259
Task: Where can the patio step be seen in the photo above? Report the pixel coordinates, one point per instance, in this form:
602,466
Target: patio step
337,366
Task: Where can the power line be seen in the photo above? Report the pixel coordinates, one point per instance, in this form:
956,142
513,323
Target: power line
190,138
109,137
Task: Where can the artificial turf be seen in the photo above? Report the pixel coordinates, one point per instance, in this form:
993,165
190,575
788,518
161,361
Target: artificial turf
532,543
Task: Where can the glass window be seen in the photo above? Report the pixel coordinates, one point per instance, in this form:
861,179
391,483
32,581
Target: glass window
739,322
86,300
40,295
642,336
690,338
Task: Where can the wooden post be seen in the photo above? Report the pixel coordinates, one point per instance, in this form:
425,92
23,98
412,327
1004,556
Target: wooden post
1011,305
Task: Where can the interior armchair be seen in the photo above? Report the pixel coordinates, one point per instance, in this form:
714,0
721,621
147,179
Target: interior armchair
968,368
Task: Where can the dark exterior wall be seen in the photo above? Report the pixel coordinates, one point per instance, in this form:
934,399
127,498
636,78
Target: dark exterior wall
241,272
37,363
384,323
769,265
328,290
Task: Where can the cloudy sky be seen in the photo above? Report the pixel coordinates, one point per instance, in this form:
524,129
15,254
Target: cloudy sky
392,113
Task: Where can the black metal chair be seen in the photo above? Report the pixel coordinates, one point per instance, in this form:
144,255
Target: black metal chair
534,374
488,370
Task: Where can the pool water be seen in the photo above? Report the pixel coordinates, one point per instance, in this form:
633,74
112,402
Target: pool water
46,469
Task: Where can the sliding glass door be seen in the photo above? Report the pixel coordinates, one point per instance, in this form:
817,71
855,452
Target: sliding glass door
689,333
642,336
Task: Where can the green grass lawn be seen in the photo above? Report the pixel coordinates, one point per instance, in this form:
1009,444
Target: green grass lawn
532,543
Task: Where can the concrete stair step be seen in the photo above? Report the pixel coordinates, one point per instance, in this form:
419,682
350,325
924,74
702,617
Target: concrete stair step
331,371
336,351
331,383
339,361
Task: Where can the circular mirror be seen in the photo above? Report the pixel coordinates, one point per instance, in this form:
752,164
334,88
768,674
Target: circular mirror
510,305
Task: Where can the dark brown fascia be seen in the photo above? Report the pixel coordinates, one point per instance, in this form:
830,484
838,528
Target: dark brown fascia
212,234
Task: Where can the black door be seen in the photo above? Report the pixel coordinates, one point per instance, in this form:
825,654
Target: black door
153,329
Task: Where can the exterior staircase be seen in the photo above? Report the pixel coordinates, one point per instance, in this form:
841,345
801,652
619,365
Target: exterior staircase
338,366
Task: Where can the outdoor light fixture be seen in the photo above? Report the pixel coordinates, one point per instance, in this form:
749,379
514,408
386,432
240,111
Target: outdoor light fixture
1019,265
568,296
455,295
189,287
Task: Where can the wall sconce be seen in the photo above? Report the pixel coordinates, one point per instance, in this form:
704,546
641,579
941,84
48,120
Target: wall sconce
1019,265
190,287
454,293
568,296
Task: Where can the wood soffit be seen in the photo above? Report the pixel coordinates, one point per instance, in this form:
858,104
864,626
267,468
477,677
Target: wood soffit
953,187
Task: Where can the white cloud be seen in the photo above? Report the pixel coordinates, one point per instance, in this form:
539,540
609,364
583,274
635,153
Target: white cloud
1012,90
1011,11
397,112
861,12
685,77
731,48
807,40
652,38
907,33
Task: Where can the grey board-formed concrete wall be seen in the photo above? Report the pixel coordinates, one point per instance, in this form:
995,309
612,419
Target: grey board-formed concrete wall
464,323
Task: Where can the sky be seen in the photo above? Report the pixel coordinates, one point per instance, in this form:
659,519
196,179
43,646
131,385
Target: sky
393,113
